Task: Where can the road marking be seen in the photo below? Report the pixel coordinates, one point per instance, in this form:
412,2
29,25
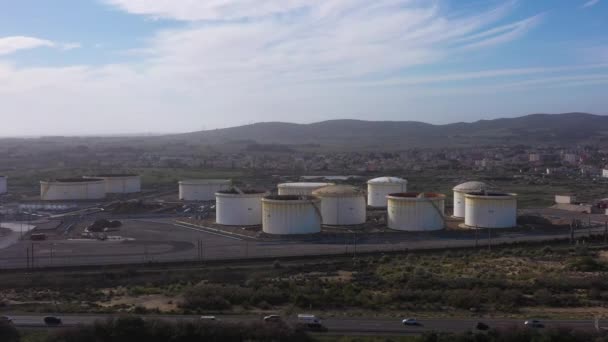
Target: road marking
206,231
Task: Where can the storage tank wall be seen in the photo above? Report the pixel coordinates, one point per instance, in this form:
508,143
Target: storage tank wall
200,192
235,210
377,192
416,215
343,210
293,217
493,212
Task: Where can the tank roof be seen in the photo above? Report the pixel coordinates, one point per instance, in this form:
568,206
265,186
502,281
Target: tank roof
471,186
304,185
289,198
234,191
417,195
382,180
75,180
338,190
489,194
205,181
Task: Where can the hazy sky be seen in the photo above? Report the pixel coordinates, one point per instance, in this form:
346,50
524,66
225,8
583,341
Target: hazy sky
121,66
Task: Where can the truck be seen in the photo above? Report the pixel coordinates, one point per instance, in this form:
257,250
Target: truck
309,320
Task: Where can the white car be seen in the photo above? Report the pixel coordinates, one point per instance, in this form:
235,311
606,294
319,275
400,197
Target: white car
410,321
209,318
534,323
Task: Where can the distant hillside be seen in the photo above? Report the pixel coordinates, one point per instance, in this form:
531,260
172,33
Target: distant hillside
565,128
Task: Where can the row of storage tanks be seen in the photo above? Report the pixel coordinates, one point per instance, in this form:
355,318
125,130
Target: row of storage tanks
301,208
89,187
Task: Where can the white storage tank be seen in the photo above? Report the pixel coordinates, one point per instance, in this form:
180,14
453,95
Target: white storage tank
120,183
490,210
414,211
72,189
3,187
202,189
379,188
291,214
342,205
301,188
461,190
237,207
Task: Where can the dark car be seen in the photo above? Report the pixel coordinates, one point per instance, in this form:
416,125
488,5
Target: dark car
52,320
6,319
482,326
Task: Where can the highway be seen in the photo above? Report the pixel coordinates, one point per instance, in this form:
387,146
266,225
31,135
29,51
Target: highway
378,326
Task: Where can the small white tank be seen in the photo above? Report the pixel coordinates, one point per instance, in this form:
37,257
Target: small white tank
459,192
291,214
72,189
379,188
239,207
120,183
414,211
3,184
300,188
490,210
202,189
342,205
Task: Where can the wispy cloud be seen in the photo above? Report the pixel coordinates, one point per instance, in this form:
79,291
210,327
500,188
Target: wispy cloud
13,44
590,3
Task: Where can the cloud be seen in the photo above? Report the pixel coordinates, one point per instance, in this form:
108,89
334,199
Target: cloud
590,3
9,45
235,60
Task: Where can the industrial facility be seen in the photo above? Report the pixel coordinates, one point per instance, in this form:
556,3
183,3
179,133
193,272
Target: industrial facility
291,214
342,205
413,211
379,188
3,185
300,189
120,183
72,189
237,207
490,210
459,193
202,189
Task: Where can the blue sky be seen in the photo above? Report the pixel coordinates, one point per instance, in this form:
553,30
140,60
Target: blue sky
81,67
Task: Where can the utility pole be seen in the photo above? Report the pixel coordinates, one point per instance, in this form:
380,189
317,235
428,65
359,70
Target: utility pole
33,261
571,233
27,258
605,232
489,239
476,236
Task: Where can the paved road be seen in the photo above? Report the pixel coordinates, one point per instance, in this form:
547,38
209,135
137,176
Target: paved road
334,325
162,240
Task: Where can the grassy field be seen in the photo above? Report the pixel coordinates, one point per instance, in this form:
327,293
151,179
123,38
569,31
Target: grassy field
556,281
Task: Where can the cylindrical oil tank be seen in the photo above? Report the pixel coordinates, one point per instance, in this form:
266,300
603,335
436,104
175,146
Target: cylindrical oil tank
120,183
462,189
414,211
342,205
72,189
300,189
490,210
237,207
202,189
3,186
291,214
379,188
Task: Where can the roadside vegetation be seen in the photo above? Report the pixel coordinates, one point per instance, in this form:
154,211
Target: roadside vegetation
540,280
